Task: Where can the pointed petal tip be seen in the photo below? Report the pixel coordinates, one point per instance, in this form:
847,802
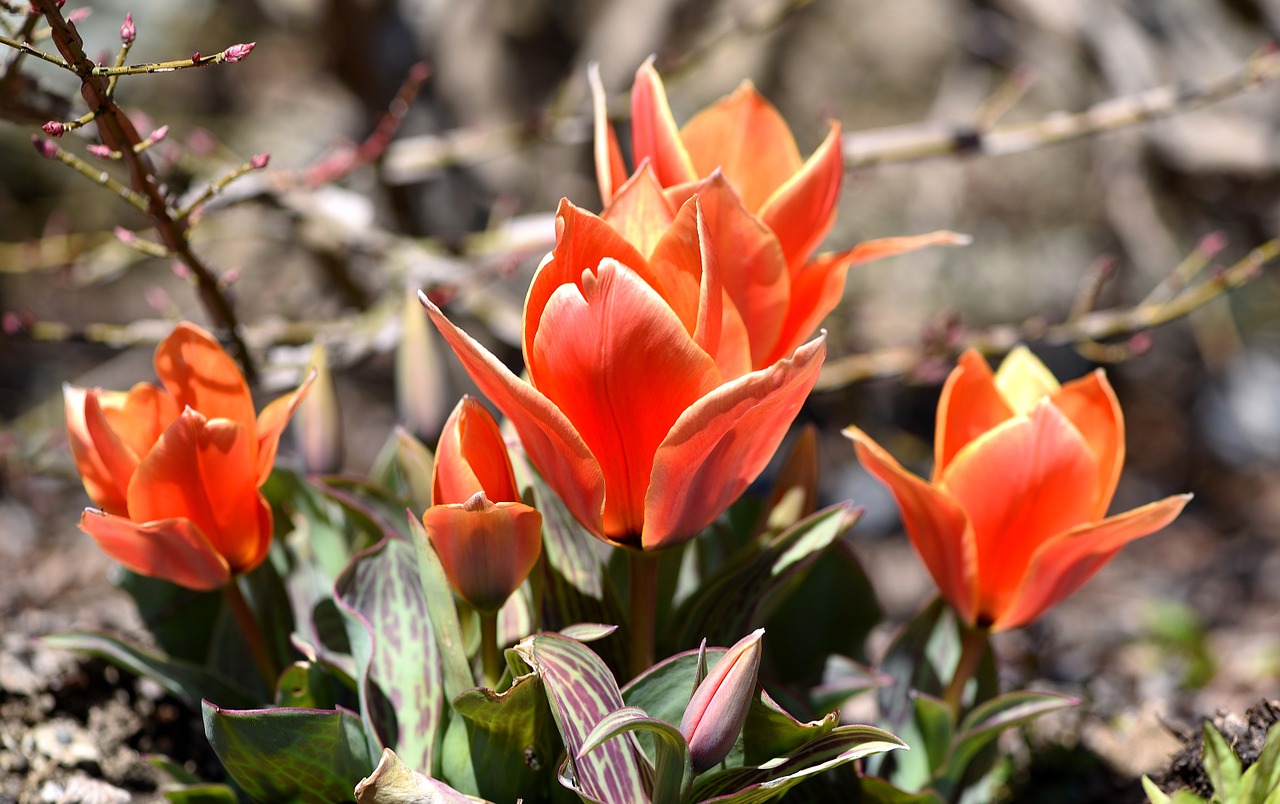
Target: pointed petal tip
426,301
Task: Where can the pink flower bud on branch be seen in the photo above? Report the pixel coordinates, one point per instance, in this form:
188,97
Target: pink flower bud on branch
45,148
100,151
260,161
79,15
235,53
159,134
125,236
127,31
54,129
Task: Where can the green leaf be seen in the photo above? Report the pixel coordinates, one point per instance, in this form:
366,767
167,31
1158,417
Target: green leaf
373,510
906,662
673,772
936,724
1263,776
985,722
727,606
180,620
581,692
290,755
398,663
306,685
511,744
183,680
750,785
1154,794
202,794
457,674
1221,765
844,679
878,791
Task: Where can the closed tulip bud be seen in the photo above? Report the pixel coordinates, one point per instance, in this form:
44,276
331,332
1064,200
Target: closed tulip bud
719,705
319,418
487,540
422,387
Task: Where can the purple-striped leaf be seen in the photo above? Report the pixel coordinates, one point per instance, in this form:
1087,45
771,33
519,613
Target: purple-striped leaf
397,659
394,782
582,692
752,785
738,599
299,755
673,768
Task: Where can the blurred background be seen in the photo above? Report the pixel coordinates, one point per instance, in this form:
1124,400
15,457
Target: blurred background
1182,624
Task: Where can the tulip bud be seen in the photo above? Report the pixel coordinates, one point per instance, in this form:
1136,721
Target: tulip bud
421,382
719,705
487,548
319,418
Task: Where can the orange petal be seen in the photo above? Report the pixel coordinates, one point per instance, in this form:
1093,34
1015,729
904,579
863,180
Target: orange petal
100,483
582,241
743,135
472,457
970,405
1064,563
654,135
815,292
1092,407
1020,484
621,366
172,549
119,460
752,266
935,523
271,423
878,249
146,412
486,550
722,443
611,171
801,211
550,440
200,375
639,210
1023,380
685,266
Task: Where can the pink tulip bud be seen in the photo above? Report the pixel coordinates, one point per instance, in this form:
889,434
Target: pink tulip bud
127,31
236,52
719,705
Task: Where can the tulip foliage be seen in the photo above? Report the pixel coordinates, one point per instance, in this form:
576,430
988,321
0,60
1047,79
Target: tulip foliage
592,603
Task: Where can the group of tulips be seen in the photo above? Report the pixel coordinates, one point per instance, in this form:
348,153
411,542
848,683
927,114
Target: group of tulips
668,344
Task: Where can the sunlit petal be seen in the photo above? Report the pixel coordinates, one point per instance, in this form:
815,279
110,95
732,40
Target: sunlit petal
654,134
803,208
611,171
1091,405
970,405
172,549
1023,380
102,486
640,211
202,376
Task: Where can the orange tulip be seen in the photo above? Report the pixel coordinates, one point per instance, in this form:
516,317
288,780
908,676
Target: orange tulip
740,158
487,540
1014,518
175,471
641,410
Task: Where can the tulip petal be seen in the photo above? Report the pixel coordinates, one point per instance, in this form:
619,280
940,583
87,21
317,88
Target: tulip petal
753,268
802,209
1064,563
119,460
611,171
1020,484
145,413
486,550
622,367
271,423
472,457
172,549
1091,405
721,444
202,376
743,135
1023,380
970,405
100,483
549,438
936,524
654,134
686,259
639,210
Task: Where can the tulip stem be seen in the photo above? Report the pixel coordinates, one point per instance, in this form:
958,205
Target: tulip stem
644,608
490,655
253,635
974,643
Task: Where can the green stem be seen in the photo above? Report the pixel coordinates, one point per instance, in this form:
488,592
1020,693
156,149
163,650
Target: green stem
974,643
490,656
644,608
252,633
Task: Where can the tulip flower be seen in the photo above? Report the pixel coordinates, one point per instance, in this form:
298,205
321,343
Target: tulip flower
175,470
1014,517
718,709
641,410
768,208
487,540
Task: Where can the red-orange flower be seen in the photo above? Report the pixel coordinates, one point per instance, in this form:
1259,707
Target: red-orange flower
1014,518
175,470
487,540
641,411
767,208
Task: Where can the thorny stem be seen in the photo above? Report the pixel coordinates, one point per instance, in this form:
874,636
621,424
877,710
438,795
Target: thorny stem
252,633
974,643
490,655
644,608
118,133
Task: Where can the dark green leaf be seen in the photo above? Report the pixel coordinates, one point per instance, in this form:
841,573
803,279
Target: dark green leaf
878,791
183,680
936,725
985,722
180,620
395,650
202,794
290,755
